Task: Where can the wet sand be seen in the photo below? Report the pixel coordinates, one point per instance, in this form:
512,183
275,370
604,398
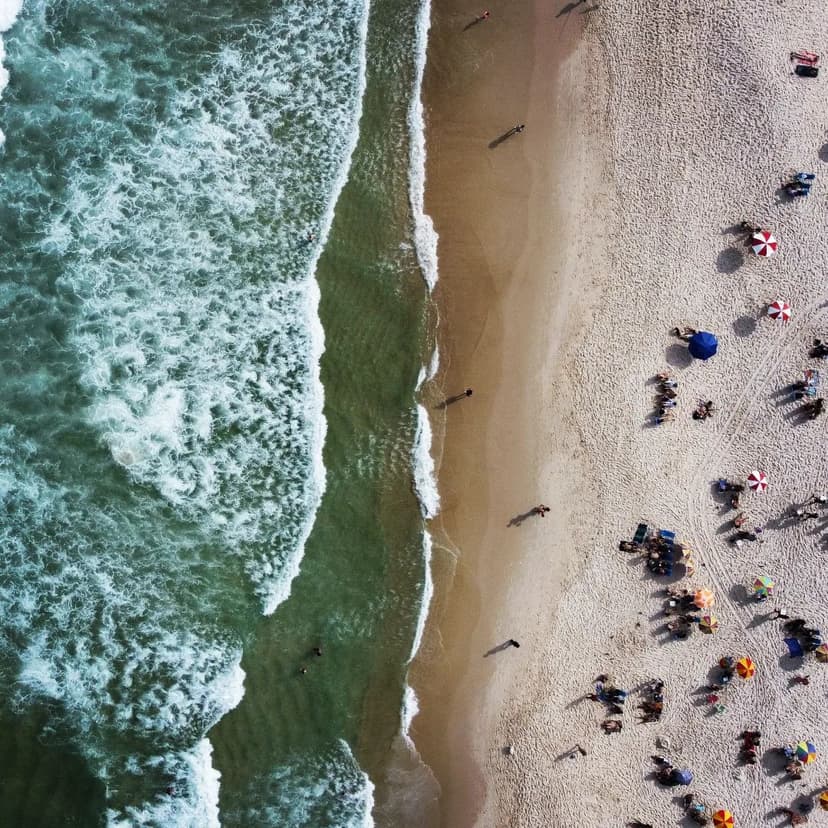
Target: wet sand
504,296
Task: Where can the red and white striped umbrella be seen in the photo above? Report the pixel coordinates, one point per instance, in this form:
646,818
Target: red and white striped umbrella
779,310
758,481
763,243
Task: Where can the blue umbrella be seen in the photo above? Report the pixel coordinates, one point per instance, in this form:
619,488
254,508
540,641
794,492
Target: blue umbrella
682,777
703,345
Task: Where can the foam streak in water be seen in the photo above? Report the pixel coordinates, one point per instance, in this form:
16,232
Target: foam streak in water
9,10
425,236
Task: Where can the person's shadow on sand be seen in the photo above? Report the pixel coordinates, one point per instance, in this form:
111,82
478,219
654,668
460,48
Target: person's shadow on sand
515,130
569,7
456,398
500,648
518,519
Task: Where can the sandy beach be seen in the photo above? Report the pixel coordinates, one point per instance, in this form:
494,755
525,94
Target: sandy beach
567,254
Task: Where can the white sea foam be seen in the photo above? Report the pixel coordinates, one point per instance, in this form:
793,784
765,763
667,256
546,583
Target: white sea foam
425,602
326,788
9,11
425,481
425,236
194,801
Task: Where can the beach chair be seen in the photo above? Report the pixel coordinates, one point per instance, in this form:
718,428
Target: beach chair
641,533
811,379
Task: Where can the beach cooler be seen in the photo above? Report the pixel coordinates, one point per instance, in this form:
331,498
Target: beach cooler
806,71
805,57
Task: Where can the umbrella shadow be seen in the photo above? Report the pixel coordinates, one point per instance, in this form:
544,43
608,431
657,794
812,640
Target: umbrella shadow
730,260
789,663
678,356
823,153
774,761
740,595
744,326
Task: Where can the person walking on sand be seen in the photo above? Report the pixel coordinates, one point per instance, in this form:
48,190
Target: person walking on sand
779,613
512,643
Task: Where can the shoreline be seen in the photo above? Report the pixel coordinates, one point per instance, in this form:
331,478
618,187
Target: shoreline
492,209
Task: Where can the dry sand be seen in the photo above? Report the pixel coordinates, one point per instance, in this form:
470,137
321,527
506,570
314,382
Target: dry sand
559,287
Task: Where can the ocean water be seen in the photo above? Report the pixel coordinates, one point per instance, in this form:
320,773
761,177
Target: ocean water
214,330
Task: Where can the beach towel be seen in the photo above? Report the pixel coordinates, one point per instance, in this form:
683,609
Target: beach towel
794,647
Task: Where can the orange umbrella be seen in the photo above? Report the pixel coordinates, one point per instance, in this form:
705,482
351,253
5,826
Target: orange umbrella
723,819
823,800
745,667
704,598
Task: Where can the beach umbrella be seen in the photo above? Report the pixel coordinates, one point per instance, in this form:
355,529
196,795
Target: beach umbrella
709,624
763,243
806,752
703,345
823,800
821,652
779,310
763,585
723,819
745,667
758,481
704,598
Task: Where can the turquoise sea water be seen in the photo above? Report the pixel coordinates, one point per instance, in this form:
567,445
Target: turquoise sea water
197,198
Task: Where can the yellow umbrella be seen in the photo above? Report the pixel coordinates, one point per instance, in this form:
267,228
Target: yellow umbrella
723,819
821,652
704,598
823,800
709,624
745,667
